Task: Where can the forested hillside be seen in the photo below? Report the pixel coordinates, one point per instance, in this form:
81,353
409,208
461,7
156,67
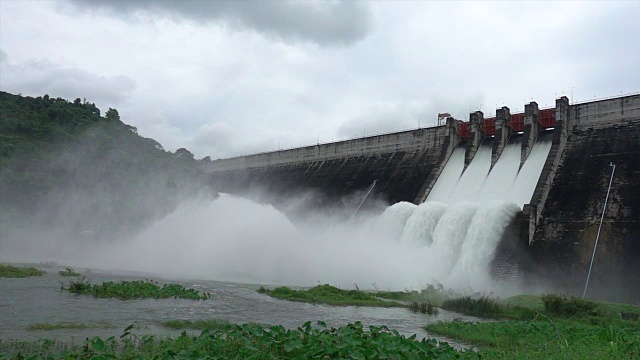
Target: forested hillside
65,167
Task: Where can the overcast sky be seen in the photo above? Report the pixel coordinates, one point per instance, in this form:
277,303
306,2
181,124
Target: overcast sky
224,78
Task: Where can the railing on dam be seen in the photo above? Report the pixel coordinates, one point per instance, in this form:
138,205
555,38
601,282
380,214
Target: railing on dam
414,139
320,143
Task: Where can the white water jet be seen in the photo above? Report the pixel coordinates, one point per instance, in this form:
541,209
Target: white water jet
393,220
473,177
448,179
451,232
481,240
525,184
502,175
420,226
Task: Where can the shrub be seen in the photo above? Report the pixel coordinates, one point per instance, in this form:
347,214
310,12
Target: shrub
482,306
19,272
568,306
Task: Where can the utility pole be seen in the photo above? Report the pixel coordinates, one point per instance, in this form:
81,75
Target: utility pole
572,95
584,293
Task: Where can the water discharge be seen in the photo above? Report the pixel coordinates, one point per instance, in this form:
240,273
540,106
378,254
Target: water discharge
451,238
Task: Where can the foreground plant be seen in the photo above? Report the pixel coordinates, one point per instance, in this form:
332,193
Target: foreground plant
330,295
250,341
137,289
9,271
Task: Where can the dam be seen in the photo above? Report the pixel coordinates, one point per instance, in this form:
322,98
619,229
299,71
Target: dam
554,164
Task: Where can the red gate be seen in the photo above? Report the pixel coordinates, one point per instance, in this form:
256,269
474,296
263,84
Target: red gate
517,122
547,118
463,129
489,126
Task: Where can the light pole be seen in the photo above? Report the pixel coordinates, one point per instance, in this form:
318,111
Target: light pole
599,227
572,95
318,140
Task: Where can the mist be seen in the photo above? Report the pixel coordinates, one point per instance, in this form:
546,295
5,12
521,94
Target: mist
232,238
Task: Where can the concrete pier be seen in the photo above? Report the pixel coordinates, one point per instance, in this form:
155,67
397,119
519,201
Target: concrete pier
502,133
476,136
531,129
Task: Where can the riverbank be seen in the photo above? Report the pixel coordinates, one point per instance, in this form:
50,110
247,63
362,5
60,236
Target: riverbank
551,327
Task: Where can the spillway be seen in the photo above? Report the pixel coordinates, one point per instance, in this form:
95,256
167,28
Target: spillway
506,181
468,209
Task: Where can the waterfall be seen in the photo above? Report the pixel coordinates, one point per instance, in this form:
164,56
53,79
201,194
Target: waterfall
464,217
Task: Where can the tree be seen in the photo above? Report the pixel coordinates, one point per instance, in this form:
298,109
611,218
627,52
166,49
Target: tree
112,114
184,153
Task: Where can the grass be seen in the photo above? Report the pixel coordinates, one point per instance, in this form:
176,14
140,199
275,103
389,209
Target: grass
424,308
482,306
195,324
69,271
330,295
546,339
73,326
248,341
435,295
8,271
138,289
557,327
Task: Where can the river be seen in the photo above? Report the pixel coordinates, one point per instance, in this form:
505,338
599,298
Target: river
38,300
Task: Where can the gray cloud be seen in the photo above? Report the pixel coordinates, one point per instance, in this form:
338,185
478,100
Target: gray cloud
3,56
322,22
39,77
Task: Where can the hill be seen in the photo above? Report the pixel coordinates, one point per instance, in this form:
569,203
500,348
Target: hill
64,167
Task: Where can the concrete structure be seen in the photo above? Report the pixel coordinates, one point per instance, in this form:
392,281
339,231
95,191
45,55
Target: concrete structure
557,225
401,162
476,136
502,133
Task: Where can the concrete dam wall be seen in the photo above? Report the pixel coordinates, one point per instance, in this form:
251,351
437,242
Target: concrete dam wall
398,162
602,133
556,228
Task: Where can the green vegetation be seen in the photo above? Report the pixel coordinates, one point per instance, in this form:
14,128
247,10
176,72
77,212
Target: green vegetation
548,327
64,165
137,289
69,271
330,295
74,326
249,341
9,271
435,295
425,308
546,339
196,324
483,306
